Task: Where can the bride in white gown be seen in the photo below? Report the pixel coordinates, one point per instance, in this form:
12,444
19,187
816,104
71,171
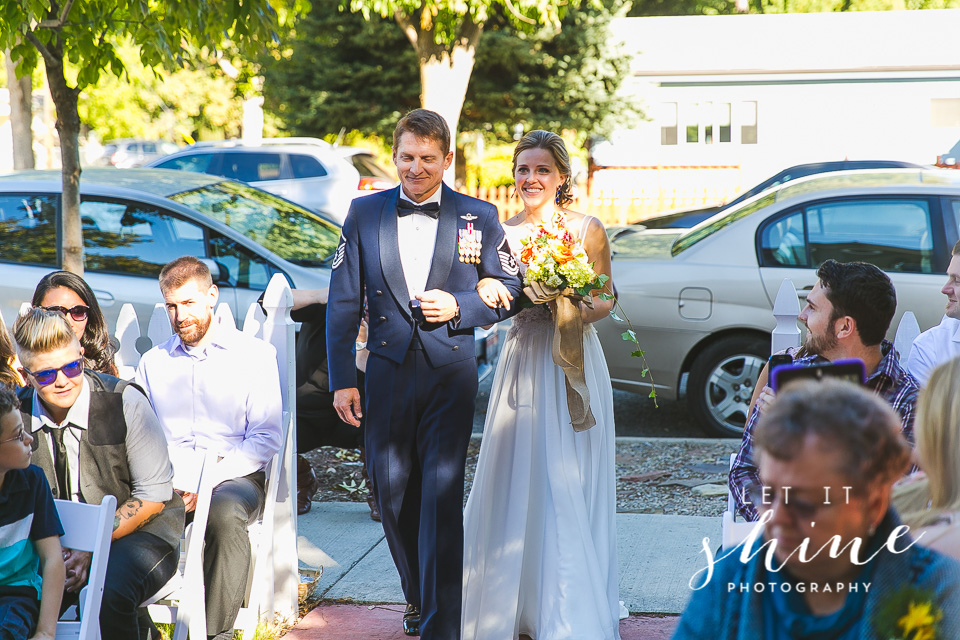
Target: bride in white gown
540,545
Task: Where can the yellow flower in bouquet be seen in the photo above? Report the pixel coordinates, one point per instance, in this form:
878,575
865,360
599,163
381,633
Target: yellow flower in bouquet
554,258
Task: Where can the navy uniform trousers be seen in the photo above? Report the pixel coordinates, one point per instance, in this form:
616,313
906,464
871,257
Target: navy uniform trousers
416,453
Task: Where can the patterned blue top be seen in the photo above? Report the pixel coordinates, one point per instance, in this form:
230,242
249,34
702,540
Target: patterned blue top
890,381
27,513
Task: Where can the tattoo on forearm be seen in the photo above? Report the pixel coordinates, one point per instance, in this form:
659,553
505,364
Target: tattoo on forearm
128,510
147,520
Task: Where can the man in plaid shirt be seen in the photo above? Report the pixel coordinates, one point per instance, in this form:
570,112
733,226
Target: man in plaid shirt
847,315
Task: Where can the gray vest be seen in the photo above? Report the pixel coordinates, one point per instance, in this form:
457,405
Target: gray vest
103,455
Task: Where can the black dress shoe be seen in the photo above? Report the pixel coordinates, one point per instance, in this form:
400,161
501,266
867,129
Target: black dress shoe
411,620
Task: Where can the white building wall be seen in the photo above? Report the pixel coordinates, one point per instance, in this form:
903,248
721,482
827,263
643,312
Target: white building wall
846,104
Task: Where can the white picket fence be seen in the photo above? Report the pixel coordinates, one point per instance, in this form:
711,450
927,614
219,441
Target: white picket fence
276,589
786,334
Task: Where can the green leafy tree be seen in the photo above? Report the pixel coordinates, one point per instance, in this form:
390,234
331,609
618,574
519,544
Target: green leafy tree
550,79
337,70
445,35
84,33
363,75
155,103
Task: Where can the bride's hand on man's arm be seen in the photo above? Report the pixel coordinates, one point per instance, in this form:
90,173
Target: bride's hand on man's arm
494,294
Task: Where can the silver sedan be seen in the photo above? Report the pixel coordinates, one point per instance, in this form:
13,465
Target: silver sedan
701,299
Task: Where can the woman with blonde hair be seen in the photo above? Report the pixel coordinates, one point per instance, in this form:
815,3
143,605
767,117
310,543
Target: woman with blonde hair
930,501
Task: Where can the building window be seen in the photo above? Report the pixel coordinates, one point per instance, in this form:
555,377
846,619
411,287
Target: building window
748,123
691,122
668,123
723,121
945,112
707,117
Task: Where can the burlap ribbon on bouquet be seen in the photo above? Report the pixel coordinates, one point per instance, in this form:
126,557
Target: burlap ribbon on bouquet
568,349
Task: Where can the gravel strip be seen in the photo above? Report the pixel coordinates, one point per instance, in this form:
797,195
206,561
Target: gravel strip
662,475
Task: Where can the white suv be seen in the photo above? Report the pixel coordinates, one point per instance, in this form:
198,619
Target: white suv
307,171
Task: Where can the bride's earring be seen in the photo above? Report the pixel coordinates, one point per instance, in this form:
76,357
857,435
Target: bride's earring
556,200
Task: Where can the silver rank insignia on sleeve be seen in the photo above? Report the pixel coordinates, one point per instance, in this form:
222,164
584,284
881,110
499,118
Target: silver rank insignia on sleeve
509,263
468,244
340,253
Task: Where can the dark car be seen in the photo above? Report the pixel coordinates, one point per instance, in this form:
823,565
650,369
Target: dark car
692,217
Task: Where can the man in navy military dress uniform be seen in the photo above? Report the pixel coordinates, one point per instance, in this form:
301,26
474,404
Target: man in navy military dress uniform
417,252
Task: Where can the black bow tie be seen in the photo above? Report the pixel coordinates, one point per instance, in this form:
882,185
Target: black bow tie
405,208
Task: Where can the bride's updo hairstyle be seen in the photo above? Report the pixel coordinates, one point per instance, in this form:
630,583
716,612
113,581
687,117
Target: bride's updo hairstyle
553,143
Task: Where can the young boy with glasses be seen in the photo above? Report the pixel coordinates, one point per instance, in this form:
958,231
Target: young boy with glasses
31,561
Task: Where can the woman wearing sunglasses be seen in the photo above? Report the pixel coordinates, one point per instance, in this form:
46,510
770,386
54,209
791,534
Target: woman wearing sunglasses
69,294
836,562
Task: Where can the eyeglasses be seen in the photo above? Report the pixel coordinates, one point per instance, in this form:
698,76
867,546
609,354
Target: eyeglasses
49,376
19,437
799,508
78,313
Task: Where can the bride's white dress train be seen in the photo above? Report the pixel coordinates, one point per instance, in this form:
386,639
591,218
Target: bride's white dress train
540,545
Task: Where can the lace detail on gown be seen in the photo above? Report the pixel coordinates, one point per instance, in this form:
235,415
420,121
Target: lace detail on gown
536,319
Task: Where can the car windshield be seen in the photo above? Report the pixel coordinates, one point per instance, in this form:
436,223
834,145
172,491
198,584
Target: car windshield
711,225
291,232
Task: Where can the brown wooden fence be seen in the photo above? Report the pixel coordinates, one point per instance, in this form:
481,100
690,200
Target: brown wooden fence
623,202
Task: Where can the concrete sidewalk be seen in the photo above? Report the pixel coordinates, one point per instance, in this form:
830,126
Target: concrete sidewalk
657,556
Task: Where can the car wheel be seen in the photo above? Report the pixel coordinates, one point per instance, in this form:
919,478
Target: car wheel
722,380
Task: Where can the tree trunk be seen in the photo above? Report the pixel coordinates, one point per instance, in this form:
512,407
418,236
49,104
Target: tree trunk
444,83
21,115
444,72
68,128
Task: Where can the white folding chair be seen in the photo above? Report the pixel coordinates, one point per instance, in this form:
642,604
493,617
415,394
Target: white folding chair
260,578
181,600
87,527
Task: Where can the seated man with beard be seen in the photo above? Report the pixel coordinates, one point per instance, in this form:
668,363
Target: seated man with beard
216,389
847,315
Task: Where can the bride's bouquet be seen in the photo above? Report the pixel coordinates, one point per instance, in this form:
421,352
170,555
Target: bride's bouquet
558,272
555,259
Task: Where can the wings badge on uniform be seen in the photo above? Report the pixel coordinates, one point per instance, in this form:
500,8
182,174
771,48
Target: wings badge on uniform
507,261
340,253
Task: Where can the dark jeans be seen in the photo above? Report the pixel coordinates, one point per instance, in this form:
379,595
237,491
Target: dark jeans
226,555
139,564
19,610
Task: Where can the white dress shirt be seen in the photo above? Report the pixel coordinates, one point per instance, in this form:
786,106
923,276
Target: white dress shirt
933,347
417,237
150,475
224,397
